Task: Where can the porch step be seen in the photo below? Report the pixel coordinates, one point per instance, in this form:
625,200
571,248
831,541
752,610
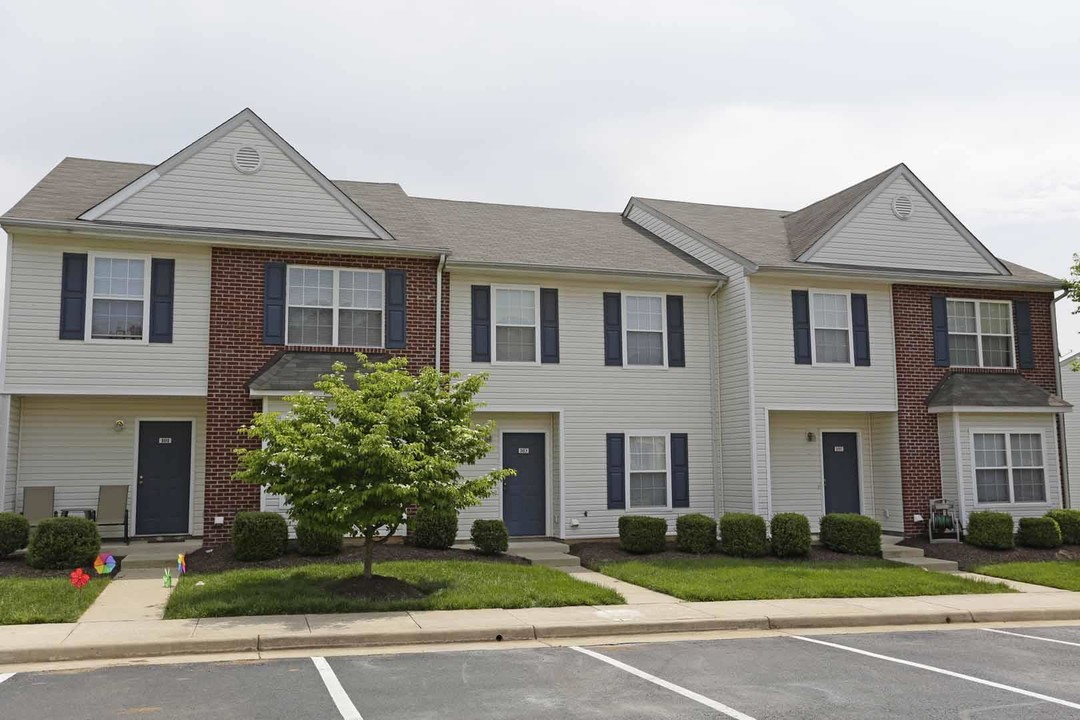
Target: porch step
895,552
554,560
545,552
916,558
548,546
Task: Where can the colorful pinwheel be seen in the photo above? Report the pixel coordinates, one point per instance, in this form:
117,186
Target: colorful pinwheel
104,564
181,565
79,578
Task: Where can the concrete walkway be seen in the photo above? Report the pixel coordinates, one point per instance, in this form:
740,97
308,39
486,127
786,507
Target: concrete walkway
142,638
137,594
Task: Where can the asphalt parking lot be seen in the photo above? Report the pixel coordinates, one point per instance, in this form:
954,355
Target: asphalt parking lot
982,674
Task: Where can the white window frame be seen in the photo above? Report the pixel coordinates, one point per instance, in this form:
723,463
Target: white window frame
1009,468
813,327
535,290
626,330
979,333
667,463
335,307
92,259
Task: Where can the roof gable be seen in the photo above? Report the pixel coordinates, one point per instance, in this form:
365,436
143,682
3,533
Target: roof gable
868,233
205,186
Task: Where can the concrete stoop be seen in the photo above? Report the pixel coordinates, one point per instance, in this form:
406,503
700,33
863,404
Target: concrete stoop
549,553
917,558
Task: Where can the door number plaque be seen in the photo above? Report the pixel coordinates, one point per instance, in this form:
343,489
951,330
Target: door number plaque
164,441
523,451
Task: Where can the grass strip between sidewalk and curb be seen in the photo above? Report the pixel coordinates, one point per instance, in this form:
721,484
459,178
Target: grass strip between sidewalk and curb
447,585
25,601
725,578
1064,575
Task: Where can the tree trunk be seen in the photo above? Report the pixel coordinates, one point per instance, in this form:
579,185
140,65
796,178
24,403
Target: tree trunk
369,551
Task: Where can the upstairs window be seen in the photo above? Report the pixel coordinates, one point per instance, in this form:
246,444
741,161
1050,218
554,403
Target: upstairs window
644,331
119,287
331,307
980,333
516,329
830,321
648,471
1009,468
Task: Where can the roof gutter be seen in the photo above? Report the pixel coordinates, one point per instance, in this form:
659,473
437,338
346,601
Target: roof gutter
710,279
916,278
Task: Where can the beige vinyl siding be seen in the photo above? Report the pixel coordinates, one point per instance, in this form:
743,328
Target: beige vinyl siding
596,399
72,443
11,456
1070,390
207,191
885,471
38,362
732,354
875,237
1043,423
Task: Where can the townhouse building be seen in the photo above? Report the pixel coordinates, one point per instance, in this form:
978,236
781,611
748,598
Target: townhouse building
864,354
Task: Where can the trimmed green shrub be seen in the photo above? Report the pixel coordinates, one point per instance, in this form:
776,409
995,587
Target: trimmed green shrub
259,536
1039,532
991,530
642,534
1067,520
312,539
743,535
14,533
490,536
790,535
434,528
695,533
63,542
851,533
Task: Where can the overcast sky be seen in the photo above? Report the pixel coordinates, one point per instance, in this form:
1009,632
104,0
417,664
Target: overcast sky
582,104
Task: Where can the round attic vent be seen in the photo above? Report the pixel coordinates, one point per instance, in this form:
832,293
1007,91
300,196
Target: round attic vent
901,207
247,160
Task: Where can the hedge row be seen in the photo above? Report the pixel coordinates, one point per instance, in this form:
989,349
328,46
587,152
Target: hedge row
998,531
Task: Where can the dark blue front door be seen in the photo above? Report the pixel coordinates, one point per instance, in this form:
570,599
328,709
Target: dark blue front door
163,489
523,495
840,461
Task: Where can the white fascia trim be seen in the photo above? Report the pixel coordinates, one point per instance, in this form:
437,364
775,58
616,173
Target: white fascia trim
941,409
283,393
912,277
795,407
106,390
674,224
120,196
517,268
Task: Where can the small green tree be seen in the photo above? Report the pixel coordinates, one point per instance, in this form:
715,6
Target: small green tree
354,460
1072,291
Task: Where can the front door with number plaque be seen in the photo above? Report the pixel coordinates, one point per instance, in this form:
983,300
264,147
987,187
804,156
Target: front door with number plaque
523,495
163,483
840,461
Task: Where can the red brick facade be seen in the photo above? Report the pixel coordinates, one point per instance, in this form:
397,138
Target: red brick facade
917,376
237,353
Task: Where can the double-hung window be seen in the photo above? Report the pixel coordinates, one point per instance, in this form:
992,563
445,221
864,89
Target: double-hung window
980,333
645,332
830,320
1009,468
516,327
648,478
335,307
119,288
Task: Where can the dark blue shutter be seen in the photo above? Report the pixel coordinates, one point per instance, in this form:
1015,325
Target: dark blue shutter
612,329
680,470
940,315
800,318
481,323
162,276
1025,353
616,471
274,303
549,325
395,308
73,297
860,329
676,346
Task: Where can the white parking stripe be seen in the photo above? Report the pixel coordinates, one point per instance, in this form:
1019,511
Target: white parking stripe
942,671
337,693
1031,637
707,702
6,676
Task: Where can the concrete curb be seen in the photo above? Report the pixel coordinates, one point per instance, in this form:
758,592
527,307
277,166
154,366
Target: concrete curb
238,642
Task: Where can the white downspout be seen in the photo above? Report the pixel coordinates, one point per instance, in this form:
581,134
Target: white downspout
438,312
714,377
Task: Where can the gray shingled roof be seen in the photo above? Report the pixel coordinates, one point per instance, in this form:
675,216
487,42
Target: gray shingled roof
290,371
1002,390
805,227
473,232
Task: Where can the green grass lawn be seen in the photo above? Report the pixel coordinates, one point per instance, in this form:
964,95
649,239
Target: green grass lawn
725,578
450,584
1052,573
44,600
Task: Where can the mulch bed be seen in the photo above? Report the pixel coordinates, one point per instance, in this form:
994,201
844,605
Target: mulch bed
15,566
221,558
969,556
593,554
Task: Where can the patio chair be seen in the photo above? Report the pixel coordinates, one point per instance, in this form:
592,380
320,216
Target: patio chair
112,508
38,503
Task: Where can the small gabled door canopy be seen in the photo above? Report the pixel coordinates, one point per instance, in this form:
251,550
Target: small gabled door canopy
241,175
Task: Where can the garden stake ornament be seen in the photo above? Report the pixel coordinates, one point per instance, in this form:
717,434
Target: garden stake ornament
166,579
79,578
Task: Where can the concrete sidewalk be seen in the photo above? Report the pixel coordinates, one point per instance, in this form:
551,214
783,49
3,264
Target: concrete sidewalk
142,638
